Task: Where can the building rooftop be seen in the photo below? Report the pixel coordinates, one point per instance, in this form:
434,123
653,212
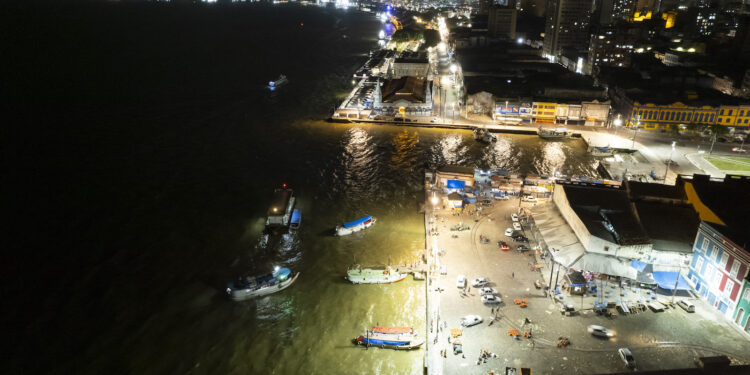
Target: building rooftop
607,213
412,58
411,89
644,190
671,227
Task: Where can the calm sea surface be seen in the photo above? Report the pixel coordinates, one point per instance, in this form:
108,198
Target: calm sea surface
146,161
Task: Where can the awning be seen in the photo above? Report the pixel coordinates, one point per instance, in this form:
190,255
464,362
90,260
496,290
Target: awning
666,280
455,184
638,265
605,264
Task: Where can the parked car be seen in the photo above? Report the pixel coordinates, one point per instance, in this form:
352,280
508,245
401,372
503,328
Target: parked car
520,238
502,197
487,290
514,217
479,281
461,281
600,331
738,149
491,299
686,305
486,202
529,198
509,232
627,357
517,226
523,248
470,320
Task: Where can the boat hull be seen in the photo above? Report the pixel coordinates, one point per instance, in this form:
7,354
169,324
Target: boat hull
389,344
343,231
370,278
246,294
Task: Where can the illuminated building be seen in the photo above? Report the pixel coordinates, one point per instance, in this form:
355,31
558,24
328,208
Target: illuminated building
719,268
567,26
609,47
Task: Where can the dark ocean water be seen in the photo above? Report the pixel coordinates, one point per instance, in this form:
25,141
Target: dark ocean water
141,162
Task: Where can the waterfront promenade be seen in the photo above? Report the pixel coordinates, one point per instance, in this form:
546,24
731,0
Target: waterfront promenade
665,340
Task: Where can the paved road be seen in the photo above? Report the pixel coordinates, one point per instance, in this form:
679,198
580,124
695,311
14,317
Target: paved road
671,339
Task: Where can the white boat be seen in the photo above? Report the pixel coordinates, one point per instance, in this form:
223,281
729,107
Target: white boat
282,80
401,338
559,133
484,135
261,285
355,226
385,275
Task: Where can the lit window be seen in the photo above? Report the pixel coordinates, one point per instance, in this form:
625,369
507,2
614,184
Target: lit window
724,260
728,288
717,278
699,264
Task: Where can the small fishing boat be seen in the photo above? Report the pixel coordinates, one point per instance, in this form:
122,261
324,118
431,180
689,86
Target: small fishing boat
355,226
282,80
280,211
385,275
247,287
484,135
553,134
296,220
400,338
602,151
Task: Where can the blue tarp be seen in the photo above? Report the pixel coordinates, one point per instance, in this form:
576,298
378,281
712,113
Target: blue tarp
638,265
456,184
357,222
666,280
296,217
470,200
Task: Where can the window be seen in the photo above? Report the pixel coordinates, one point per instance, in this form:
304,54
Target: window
724,260
671,117
728,288
717,278
704,246
711,118
661,116
715,250
746,295
699,264
735,269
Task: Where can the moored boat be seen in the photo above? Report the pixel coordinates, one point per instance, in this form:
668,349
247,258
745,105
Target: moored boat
355,226
247,287
558,133
385,275
484,135
602,151
401,338
280,211
282,80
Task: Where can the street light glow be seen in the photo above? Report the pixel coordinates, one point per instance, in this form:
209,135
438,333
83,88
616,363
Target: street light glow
454,68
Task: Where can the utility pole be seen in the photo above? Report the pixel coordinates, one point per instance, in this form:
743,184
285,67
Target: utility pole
676,282
713,140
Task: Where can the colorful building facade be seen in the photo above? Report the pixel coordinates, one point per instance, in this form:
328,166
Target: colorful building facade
651,116
592,113
718,271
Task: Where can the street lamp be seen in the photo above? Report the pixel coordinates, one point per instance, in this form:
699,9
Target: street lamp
669,162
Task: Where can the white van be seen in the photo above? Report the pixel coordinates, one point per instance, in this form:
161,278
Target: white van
686,305
461,281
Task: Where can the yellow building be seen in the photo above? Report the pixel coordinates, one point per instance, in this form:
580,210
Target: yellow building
544,112
651,116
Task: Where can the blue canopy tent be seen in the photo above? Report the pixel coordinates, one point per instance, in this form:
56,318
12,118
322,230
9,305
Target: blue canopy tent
638,265
666,280
455,184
